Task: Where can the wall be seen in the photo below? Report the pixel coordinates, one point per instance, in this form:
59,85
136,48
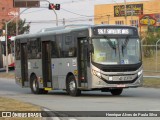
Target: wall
7,11
106,11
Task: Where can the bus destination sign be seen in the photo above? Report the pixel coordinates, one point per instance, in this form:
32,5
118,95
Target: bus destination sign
112,31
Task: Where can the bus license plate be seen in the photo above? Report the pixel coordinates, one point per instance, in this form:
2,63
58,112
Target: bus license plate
125,78
121,86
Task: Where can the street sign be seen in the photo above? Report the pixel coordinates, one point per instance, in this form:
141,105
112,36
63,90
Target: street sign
26,3
54,6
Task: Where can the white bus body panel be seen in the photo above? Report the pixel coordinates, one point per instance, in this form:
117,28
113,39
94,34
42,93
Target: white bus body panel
61,67
97,82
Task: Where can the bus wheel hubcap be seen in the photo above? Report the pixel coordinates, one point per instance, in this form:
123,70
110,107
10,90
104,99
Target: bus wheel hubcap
72,85
34,85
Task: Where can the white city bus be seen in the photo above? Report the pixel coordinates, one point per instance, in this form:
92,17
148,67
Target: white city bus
77,58
10,52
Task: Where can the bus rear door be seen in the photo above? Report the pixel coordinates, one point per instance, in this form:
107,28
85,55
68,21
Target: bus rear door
46,64
24,64
82,62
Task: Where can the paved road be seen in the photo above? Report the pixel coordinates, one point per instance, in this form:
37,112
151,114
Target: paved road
133,99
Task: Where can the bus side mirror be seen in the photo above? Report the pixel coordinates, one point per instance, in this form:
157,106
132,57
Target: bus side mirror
91,48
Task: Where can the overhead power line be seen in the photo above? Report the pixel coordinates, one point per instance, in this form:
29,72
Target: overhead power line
75,13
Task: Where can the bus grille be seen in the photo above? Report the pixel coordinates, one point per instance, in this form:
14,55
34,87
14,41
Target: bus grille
118,69
120,82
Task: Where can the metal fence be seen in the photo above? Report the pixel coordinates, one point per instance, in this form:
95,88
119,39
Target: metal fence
151,57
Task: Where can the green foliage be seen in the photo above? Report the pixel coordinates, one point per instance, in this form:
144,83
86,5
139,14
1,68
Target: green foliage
22,27
1,31
150,39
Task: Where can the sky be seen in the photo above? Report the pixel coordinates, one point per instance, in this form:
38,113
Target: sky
72,12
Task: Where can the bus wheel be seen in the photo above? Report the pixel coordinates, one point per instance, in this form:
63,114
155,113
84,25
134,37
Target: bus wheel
116,91
72,86
35,87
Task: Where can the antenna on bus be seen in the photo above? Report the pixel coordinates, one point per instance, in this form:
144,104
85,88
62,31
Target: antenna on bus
51,29
64,27
77,25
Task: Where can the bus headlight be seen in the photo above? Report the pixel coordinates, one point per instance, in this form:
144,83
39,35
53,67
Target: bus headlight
140,72
98,74
94,72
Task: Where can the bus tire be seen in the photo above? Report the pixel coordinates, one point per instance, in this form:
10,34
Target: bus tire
35,86
116,91
72,86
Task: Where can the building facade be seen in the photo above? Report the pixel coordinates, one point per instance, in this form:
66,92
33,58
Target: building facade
142,14
7,11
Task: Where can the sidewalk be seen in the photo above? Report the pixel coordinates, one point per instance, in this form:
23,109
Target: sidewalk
9,75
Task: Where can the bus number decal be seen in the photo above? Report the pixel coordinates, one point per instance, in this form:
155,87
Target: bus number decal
52,66
74,62
75,72
29,65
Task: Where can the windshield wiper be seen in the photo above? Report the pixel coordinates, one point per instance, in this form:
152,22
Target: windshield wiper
110,43
125,44
113,46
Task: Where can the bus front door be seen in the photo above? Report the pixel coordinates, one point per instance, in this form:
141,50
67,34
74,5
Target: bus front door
82,62
24,64
46,63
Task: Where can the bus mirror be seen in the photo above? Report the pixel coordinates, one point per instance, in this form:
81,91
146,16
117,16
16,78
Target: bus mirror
91,48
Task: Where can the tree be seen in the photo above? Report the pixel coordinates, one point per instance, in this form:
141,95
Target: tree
150,39
11,31
22,27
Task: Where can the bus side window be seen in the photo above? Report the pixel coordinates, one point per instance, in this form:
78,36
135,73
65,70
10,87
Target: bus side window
32,49
3,48
55,50
58,44
38,44
69,48
68,40
72,52
17,47
29,49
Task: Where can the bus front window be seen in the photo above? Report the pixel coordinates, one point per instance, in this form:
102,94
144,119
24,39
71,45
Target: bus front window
129,51
112,51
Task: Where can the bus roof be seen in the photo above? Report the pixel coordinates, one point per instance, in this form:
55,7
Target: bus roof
65,29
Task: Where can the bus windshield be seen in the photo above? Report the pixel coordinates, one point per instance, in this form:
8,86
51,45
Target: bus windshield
110,51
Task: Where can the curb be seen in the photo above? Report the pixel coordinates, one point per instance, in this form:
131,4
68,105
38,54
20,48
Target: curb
54,115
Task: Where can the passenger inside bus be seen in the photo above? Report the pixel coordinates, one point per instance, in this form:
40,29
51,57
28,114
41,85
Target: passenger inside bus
72,52
99,52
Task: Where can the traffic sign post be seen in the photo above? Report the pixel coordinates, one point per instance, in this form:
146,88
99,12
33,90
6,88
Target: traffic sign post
6,34
36,4
54,6
26,3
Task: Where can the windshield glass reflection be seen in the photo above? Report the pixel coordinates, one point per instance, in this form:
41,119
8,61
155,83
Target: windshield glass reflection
116,51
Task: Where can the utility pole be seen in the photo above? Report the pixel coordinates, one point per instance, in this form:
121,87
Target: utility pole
108,18
52,8
1,58
125,12
63,22
56,17
131,12
16,23
6,34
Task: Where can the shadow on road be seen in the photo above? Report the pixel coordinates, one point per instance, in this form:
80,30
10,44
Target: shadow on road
87,94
